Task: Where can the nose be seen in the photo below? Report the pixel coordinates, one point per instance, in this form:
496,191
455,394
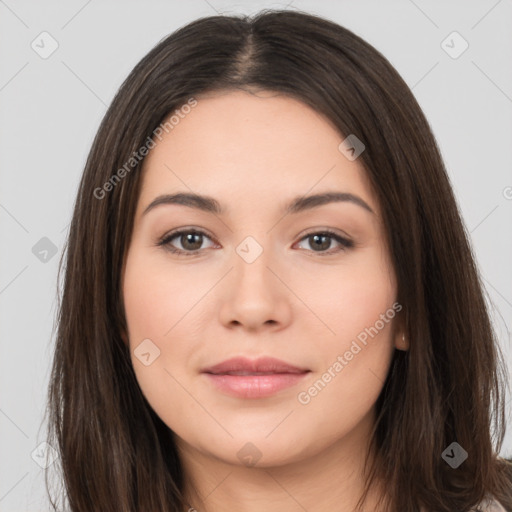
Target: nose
254,296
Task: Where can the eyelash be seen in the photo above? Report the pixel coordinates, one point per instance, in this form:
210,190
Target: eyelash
165,241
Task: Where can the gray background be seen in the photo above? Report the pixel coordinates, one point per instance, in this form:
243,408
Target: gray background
51,109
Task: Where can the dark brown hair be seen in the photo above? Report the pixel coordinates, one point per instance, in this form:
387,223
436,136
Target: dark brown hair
116,453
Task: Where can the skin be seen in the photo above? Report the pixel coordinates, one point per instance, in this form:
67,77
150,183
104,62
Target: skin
253,152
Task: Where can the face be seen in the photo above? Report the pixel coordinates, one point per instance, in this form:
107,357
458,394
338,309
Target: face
258,279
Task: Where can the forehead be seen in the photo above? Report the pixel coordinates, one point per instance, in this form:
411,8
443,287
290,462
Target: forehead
251,147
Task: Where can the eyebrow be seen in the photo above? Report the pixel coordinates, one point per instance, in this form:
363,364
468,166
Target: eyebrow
296,205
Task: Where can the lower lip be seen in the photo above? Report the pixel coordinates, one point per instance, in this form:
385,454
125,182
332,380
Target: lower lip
255,386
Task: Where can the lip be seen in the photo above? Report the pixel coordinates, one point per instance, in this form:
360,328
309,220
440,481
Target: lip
260,365
254,378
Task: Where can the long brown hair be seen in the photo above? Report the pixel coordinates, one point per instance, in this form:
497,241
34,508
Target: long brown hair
115,452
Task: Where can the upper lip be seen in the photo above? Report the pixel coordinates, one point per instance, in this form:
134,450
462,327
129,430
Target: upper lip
267,365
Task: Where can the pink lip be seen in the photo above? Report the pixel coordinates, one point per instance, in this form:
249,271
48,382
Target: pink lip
246,378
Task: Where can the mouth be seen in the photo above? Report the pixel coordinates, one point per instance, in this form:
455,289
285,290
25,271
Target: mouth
260,378
246,366
251,373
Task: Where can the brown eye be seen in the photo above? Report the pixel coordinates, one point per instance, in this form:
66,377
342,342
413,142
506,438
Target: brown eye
321,241
190,241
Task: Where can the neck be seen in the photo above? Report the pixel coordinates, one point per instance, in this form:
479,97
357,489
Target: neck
330,479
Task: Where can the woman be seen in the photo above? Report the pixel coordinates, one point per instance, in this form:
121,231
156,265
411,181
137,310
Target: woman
269,298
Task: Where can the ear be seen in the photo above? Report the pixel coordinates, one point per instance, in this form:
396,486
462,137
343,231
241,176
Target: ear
401,342
401,338
124,337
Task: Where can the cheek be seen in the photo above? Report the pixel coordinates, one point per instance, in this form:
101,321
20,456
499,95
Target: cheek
357,348
156,296
157,300
156,304
350,299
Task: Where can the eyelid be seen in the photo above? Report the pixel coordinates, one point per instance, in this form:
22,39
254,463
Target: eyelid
325,230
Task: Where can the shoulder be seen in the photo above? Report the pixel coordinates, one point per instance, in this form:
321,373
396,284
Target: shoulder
489,505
